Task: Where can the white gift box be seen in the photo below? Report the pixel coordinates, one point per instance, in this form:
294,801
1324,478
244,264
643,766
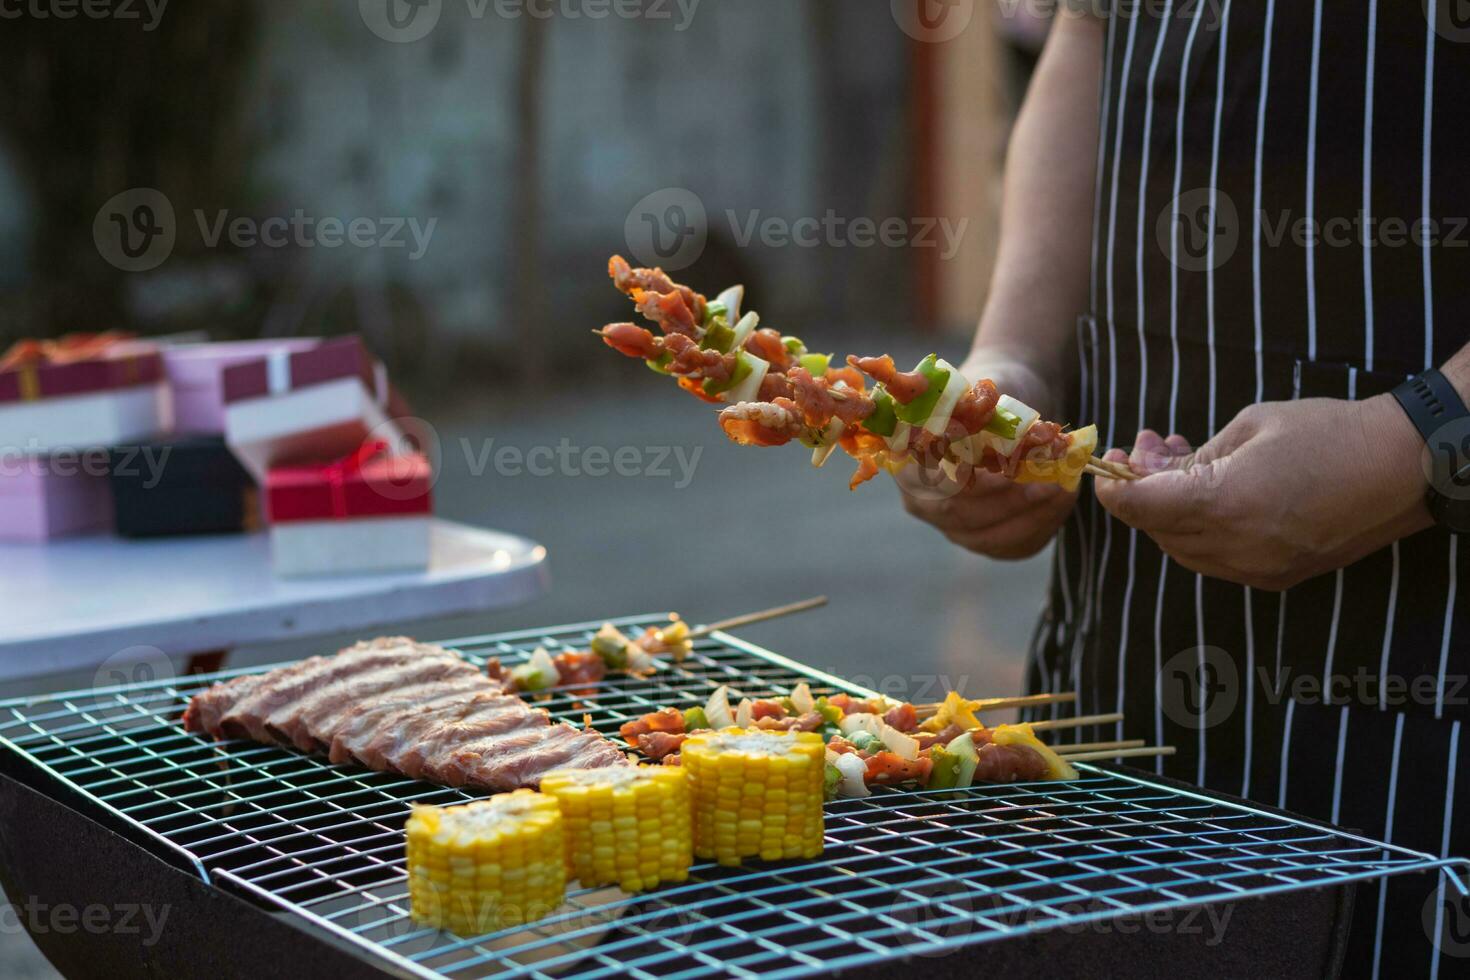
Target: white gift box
77,422
303,406
357,546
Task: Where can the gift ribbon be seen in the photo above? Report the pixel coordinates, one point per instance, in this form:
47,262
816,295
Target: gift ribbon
30,383
339,472
27,357
278,372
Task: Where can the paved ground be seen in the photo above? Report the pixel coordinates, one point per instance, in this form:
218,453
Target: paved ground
710,529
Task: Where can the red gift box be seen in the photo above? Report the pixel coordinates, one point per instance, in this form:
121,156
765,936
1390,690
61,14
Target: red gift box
369,483
32,370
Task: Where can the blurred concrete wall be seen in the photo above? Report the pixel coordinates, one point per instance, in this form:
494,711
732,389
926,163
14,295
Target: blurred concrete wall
763,107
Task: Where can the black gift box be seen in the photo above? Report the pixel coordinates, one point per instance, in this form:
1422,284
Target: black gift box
183,485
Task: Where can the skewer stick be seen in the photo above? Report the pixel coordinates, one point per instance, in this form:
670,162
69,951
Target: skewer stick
999,704
1120,471
1078,748
758,617
1149,752
1077,722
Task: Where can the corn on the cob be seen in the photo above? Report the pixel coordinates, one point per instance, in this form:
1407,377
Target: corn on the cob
625,826
486,865
755,793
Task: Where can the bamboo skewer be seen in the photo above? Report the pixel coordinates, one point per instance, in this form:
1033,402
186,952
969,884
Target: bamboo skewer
1079,748
758,617
1077,721
1098,466
1148,752
999,704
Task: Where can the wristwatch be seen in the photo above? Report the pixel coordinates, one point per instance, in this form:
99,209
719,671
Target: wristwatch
1440,415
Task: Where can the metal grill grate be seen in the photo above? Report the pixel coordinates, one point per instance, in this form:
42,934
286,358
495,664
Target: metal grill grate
904,873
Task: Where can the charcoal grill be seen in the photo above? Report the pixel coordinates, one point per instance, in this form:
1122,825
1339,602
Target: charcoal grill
273,861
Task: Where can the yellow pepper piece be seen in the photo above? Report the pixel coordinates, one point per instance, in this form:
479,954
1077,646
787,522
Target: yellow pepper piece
956,710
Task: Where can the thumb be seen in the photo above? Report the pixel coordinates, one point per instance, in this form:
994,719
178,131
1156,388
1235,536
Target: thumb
1175,500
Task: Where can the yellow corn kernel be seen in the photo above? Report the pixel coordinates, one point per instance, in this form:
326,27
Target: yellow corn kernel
625,826
486,865
755,793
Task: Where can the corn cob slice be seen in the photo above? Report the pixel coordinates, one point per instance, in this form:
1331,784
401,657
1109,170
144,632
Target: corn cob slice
755,793
486,865
625,826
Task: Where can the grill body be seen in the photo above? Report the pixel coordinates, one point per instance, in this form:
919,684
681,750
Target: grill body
274,862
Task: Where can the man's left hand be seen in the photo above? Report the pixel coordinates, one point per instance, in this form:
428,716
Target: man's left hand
1287,491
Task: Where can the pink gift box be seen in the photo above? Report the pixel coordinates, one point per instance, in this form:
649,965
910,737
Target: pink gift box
196,378
50,497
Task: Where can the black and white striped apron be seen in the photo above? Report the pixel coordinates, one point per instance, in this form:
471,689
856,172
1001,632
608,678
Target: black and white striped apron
1229,128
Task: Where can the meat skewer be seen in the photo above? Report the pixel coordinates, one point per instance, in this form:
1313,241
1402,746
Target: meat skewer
612,651
878,740
776,391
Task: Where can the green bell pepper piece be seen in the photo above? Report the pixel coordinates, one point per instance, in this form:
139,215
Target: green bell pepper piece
883,421
793,345
661,363
829,732
1004,424
831,777
946,771
831,714
612,647
864,741
917,412
695,719
816,364
713,309
788,706
528,678
742,370
719,336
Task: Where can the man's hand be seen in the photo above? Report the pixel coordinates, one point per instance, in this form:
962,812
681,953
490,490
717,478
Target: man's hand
1287,491
989,514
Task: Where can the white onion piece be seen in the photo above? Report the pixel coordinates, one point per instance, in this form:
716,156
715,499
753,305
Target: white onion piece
827,442
744,329
744,714
904,746
899,441
853,770
956,386
861,721
717,709
747,390
541,662
801,698
732,298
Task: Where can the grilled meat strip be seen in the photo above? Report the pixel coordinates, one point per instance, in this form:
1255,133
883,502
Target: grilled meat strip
398,706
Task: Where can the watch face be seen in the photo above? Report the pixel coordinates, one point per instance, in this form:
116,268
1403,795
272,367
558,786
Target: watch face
1452,512
1447,463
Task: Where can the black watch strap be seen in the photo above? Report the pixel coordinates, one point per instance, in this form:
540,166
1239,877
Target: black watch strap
1431,401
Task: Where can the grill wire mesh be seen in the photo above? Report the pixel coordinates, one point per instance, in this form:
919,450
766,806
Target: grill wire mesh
904,873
